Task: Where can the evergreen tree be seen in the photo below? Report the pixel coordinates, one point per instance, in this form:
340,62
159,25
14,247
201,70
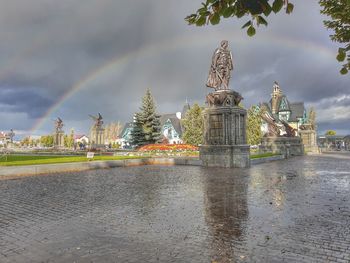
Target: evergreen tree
193,126
146,126
137,133
150,119
254,122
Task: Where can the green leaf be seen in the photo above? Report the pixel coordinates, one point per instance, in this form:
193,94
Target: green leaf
343,71
228,12
290,8
215,19
341,54
201,21
261,20
191,19
240,13
267,9
251,31
277,6
202,10
249,23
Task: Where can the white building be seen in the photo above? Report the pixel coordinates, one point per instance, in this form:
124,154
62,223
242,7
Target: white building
81,139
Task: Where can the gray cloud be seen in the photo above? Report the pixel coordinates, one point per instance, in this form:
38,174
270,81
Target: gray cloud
16,100
48,47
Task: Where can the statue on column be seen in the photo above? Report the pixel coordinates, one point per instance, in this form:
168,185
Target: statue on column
98,120
58,138
11,135
220,69
224,128
58,124
219,78
97,132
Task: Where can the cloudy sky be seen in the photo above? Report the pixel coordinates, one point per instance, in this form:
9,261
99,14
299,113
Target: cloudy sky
72,58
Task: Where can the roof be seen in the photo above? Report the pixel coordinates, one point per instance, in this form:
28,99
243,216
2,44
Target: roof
4,135
174,121
127,125
297,111
79,136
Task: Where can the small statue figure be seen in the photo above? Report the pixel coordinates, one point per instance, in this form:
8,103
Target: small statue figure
11,135
221,66
312,119
98,120
58,124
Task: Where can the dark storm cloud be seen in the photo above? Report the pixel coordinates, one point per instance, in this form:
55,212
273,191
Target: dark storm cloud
23,100
49,46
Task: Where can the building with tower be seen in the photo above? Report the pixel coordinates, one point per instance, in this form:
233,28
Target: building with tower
281,109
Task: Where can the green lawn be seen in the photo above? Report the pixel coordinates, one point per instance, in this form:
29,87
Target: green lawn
262,155
15,160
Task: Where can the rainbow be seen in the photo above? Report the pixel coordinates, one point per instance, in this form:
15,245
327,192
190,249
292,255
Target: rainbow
181,42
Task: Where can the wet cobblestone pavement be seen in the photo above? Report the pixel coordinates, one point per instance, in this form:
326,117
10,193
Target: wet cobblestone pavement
287,211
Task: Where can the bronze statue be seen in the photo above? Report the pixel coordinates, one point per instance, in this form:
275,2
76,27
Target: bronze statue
98,120
272,127
290,131
59,124
276,128
221,66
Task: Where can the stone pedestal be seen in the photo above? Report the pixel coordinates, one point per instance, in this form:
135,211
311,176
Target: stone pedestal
58,139
225,156
309,140
225,136
97,138
288,146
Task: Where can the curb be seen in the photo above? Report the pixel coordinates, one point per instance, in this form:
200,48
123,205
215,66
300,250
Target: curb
84,166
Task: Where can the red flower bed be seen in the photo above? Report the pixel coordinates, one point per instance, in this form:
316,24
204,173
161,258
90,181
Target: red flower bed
168,147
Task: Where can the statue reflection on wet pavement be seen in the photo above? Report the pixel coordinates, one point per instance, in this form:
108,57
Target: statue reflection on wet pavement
226,213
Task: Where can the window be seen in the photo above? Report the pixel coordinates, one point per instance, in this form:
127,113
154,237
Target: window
284,115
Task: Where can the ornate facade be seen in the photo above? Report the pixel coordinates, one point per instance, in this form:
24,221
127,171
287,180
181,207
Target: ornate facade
282,110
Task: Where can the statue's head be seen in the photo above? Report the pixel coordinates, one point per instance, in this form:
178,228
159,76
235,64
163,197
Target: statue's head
224,44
